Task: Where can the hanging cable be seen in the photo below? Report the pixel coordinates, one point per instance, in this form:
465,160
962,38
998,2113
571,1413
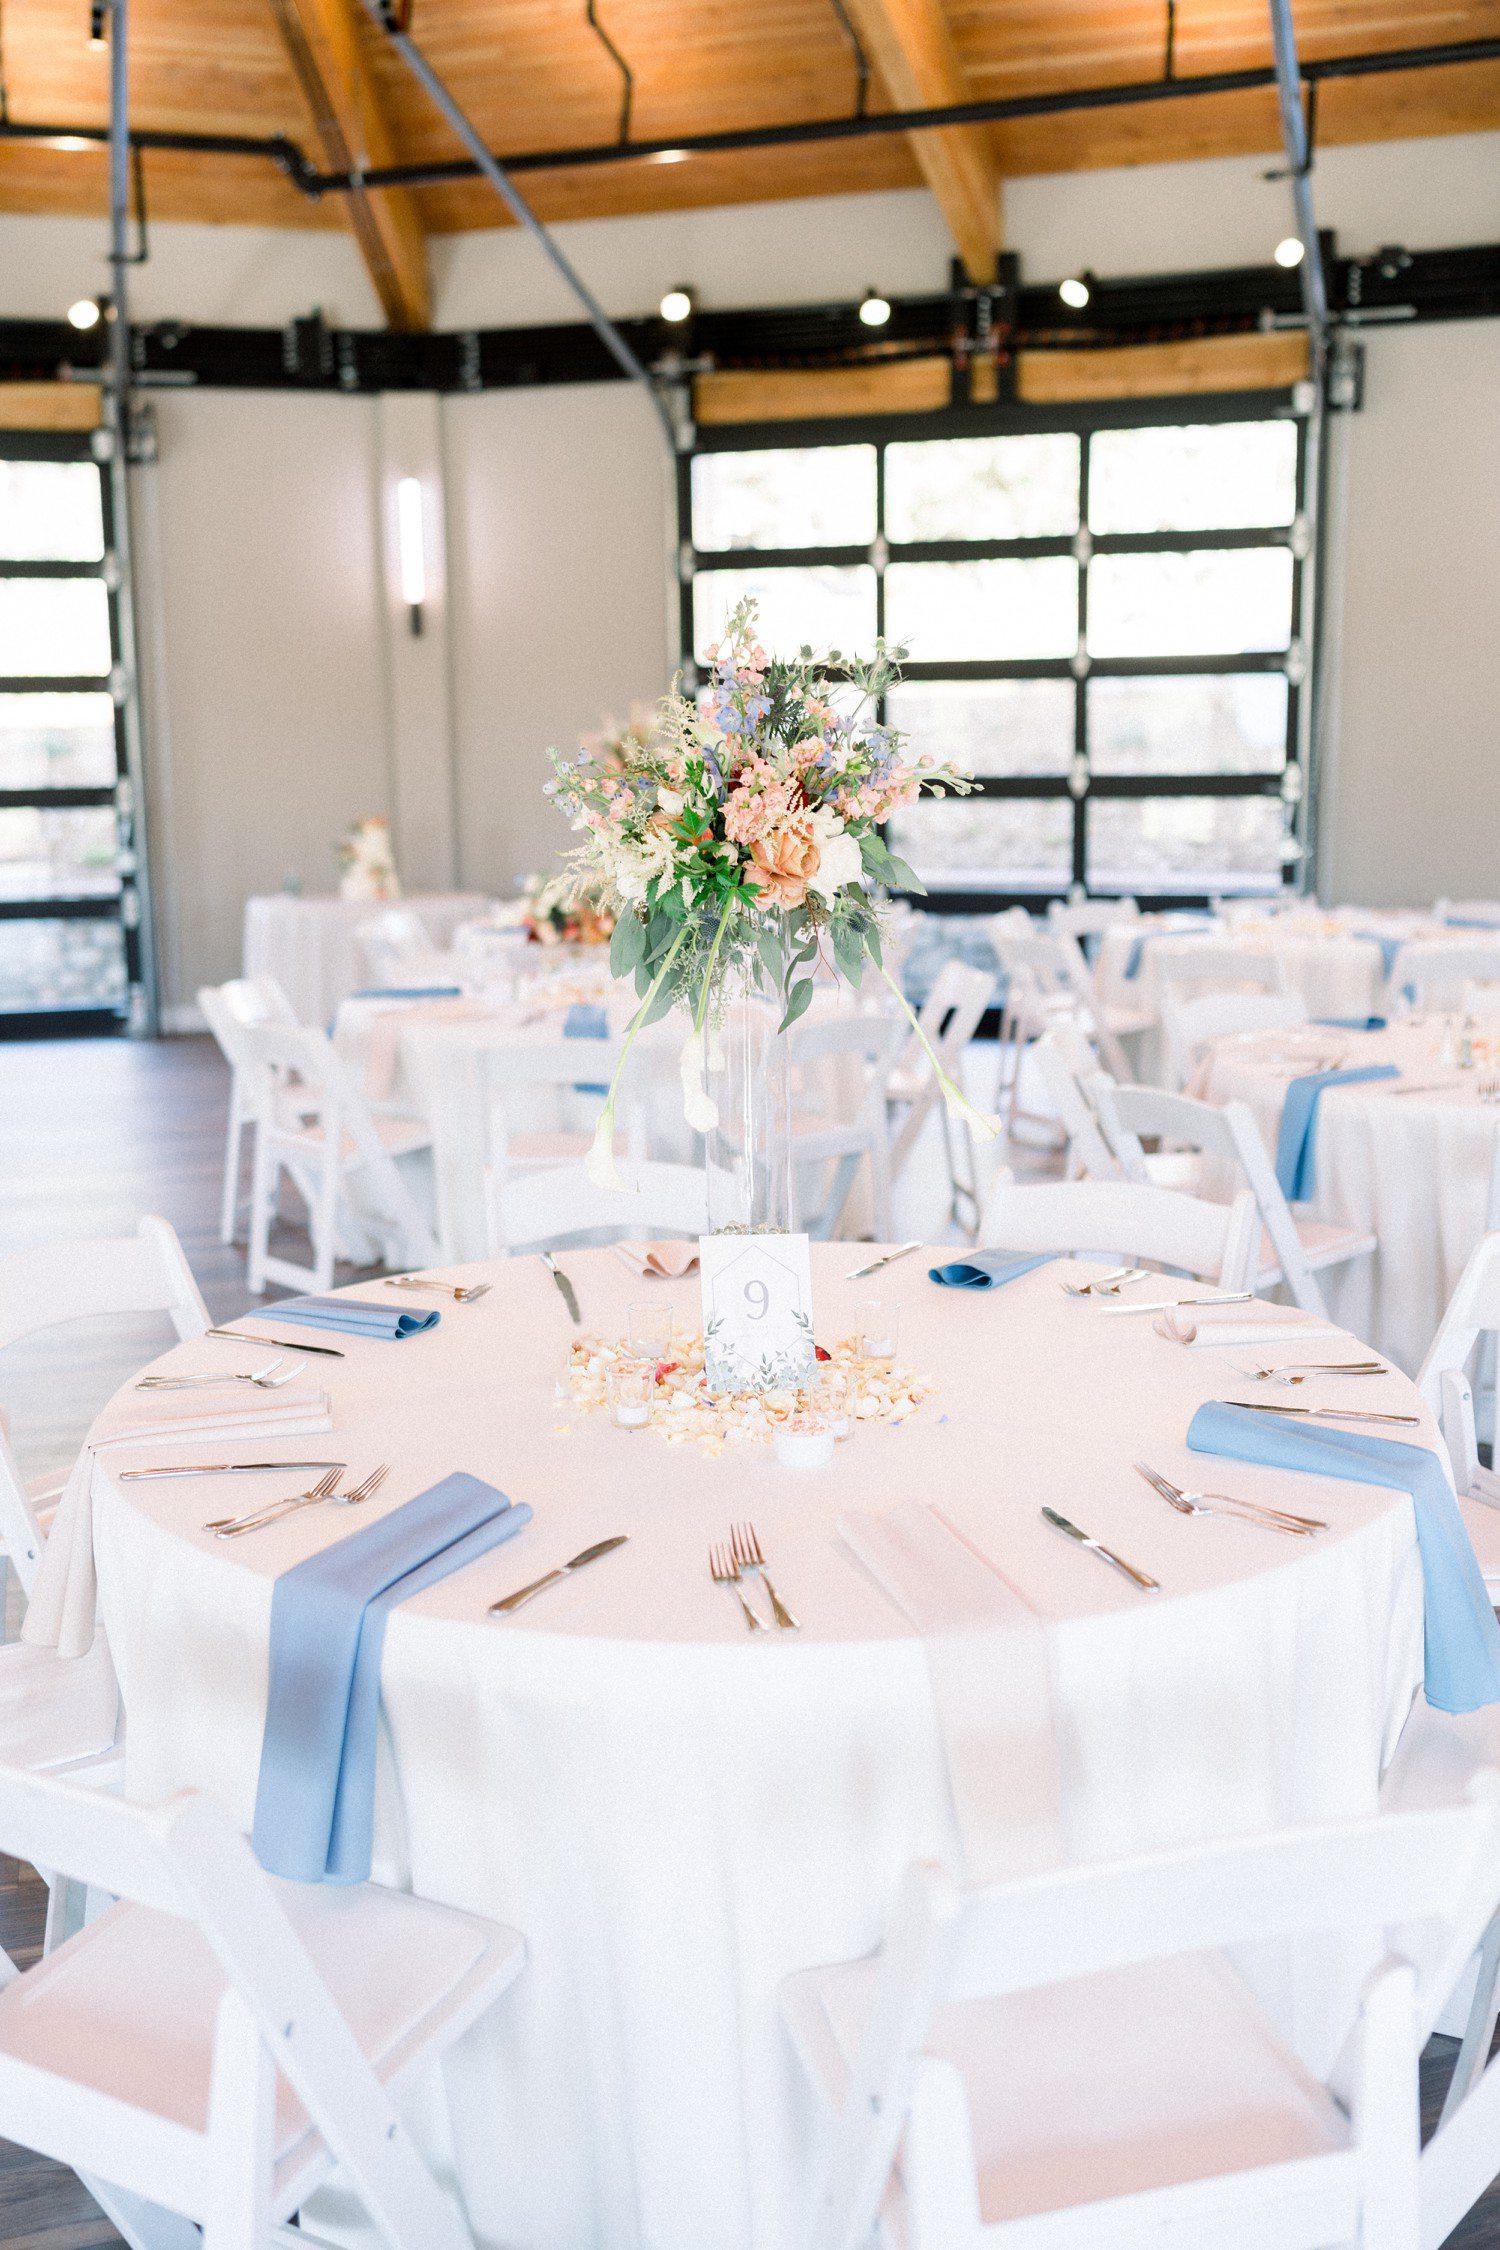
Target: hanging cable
4,88
623,67
1169,60
861,59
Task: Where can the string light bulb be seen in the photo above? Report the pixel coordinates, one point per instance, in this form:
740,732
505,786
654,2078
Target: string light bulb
874,310
1290,251
84,314
677,306
1075,291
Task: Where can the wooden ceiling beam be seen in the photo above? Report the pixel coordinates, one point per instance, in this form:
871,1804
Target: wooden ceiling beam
325,42
909,43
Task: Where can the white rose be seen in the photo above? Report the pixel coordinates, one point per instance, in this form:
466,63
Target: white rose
670,802
839,860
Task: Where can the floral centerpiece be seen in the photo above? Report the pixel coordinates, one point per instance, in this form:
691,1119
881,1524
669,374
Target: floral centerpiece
739,842
367,862
565,910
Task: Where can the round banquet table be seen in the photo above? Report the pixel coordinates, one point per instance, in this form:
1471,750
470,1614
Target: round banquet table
309,944
678,1814
1413,1169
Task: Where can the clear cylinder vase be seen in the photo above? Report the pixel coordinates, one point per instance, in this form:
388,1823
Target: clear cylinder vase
747,1076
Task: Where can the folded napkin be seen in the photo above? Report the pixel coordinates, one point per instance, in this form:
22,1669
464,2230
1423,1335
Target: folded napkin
668,1259
1297,1142
987,1656
315,1800
987,1269
587,1019
1224,1327
1461,1636
355,1316
1351,1023
1389,947
60,1613
409,992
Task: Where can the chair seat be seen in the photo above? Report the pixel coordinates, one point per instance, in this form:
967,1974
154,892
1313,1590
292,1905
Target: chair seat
1126,1023
1116,2085
56,1710
398,1136
128,2005
1323,1244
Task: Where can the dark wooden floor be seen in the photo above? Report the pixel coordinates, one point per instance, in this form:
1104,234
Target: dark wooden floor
92,1134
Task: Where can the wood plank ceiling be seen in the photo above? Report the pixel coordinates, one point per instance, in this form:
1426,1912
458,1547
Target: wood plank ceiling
533,74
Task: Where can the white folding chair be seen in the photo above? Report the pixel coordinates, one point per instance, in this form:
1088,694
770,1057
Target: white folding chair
397,948
1072,2061
81,1279
227,1009
1295,1248
1087,920
1057,1065
949,1017
537,1210
1454,1366
1189,1024
838,1069
312,1122
214,2046
1430,974
1212,1241
1049,971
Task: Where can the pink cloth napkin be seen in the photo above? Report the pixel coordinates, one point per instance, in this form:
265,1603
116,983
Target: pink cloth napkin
669,1260
60,1614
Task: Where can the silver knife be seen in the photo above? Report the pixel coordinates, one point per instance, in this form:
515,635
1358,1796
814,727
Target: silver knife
1105,1554
888,1259
1321,1413
277,1343
569,1294
224,1468
564,1570
1177,1304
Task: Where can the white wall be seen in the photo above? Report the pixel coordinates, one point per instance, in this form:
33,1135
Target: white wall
286,699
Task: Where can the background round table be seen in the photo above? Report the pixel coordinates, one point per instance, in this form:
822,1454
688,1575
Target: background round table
676,1813
309,945
1414,1169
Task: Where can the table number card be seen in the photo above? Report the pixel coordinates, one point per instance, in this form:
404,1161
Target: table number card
757,1311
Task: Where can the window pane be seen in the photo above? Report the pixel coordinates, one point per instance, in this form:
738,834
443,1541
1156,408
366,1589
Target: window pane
58,854
1185,843
982,488
825,608
1210,477
807,496
56,741
61,965
1190,605
1223,724
987,844
53,626
972,610
990,726
50,511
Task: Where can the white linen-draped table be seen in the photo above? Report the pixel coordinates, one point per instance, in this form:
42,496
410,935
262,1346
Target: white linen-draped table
676,1813
309,946
1413,1169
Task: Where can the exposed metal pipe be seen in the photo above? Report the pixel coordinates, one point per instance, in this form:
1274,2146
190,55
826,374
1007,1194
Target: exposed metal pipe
140,940
1294,136
277,147
520,210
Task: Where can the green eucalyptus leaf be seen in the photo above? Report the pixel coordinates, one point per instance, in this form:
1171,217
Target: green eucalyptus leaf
798,1002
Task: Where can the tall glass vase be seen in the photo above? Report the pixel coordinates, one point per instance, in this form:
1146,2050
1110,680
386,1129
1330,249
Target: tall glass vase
747,1076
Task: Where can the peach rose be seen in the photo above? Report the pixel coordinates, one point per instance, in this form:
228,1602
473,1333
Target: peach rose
784,865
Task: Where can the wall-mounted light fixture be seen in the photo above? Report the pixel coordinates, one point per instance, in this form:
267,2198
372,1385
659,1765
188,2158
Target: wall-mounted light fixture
874,310
411,553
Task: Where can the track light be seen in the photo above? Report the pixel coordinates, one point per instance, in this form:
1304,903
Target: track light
85,314
98,9
1076,291
1291,251
677,305
668,156
874,310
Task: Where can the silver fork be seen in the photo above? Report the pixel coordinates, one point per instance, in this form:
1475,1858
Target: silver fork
725,1571
1107,1285
1305,1370
747,1555
235,1525
265,1379
1225,1504
464,1296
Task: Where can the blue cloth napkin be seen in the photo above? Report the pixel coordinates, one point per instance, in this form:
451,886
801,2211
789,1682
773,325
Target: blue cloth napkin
987,1269
1462,1639
315,1801
355,1316
409,992
1469,922
1351,1023
1389,947
586,1019
1297,1142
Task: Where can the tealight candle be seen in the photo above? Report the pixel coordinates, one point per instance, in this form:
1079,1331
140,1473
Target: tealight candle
806,1443
629,1398
880,1328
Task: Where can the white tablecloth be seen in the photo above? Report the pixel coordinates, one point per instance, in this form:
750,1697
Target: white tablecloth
678,1814
308,944
1411,1169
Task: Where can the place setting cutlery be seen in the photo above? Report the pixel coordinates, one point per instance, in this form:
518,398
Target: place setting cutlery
889,1257
1097,1547
1227,1504
1322,1413
523,1594
469,1294
226,1469
1308,1370
276,1343
565,1287
730,1565
326,1489
1179,1304
1107,1285
271,1377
